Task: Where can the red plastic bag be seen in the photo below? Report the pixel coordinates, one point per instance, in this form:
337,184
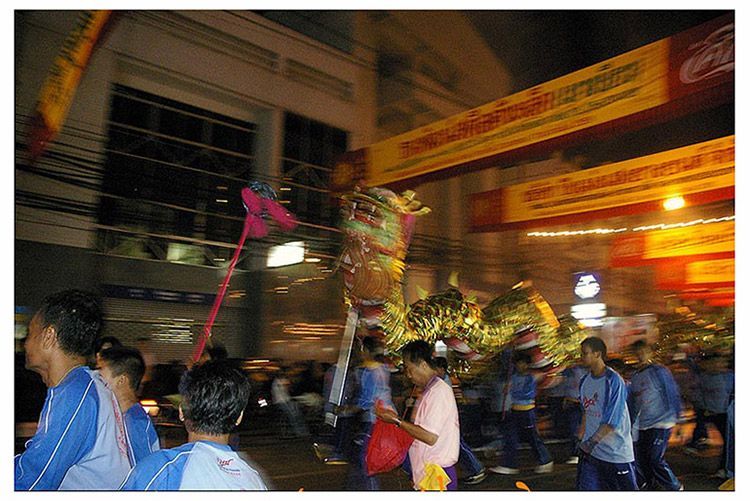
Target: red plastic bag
388,447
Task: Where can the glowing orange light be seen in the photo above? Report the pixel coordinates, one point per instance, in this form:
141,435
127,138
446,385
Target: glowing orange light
674,203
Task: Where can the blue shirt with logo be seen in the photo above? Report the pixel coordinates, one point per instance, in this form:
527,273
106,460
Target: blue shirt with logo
604,401
201,465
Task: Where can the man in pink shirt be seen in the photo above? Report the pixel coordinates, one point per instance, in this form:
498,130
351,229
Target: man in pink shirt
435,417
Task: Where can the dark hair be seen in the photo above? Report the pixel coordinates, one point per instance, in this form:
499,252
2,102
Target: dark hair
113,341
128,361
418,350
596,345
639,345
522,356
77,318
441,363
372,345
213,396
217,352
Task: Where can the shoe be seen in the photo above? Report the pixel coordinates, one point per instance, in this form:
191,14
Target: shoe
572,460
545,468
502,470
475,479
720,474
334,460
682,487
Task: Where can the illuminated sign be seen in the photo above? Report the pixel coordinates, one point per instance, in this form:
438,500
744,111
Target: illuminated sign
587,286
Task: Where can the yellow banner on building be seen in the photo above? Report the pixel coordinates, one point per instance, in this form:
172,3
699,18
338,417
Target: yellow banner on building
615,88
690,240
62,81
692,169
717,270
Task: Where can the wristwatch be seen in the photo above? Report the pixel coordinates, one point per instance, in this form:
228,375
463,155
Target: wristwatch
398,422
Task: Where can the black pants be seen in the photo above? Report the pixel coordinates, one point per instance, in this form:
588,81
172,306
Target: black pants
720,421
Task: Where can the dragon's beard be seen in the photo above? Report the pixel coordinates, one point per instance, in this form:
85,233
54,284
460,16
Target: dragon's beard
368,276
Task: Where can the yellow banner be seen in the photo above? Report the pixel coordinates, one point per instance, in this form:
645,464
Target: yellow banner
62,81
617,87
691,240
692,169
702,272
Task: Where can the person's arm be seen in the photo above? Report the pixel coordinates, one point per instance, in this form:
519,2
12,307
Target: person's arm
416,431
66,432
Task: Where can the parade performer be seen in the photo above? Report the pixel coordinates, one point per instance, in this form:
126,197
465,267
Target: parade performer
80,442
214,396
607,460
656,407
122,368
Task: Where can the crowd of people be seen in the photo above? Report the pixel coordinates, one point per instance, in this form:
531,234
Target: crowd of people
93,434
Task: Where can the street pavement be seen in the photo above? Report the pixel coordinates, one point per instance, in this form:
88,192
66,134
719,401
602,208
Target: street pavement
291,465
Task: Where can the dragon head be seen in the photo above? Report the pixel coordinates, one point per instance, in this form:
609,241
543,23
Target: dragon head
377,226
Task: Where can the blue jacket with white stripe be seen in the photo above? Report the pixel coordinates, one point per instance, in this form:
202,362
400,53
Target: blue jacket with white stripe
80,442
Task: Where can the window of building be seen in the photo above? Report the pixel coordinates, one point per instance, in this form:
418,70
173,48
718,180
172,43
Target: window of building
175,169
310,149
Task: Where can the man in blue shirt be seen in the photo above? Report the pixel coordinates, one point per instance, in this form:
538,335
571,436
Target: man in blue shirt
80,442
214,396
656,407
374,384
523,421
122,368
607,461
717,387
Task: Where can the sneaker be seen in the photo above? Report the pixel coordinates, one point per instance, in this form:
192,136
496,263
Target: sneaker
502,470
722,473
545,468
475,479
335,460
572,460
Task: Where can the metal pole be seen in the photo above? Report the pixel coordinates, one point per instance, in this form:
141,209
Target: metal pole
342,366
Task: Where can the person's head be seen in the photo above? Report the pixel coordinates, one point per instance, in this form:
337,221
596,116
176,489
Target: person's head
66,325
215,352
102,344
522,361
441,365
214,397
642,350
418,362
372,348
122,368
593,352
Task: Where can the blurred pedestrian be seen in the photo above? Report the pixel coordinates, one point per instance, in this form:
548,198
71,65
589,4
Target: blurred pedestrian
122,368
80,442
717,387
656,406
286,405
522,422
607,460
435,417
472,468
214,397
373,388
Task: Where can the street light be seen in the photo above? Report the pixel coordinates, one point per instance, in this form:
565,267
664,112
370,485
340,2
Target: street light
674,203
